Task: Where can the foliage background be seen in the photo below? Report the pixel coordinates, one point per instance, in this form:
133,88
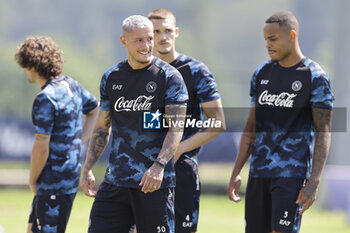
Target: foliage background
227,35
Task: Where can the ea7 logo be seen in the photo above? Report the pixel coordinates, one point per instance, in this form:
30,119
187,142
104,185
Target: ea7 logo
186,224
117,87
284,222
264,82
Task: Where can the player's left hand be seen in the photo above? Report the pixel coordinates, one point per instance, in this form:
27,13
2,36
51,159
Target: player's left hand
152,179
88,183
307,196
233,188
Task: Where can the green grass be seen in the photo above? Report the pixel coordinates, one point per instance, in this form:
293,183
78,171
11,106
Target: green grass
217,214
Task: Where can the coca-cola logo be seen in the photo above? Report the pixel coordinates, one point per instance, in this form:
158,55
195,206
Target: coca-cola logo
284,99
141,103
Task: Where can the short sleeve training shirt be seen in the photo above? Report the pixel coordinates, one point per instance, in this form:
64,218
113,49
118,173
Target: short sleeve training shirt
127,93
201,87
284,98
58,111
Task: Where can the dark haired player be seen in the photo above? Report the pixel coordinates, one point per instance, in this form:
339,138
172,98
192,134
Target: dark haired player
291,105
59,132
203,98
138,187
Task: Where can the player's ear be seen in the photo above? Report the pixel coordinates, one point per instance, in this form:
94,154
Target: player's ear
292,35
177,31
123,40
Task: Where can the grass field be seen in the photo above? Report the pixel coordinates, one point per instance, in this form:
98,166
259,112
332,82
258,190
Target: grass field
217,215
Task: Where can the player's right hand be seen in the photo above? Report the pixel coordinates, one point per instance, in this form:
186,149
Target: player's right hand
88,183
152,179
233,188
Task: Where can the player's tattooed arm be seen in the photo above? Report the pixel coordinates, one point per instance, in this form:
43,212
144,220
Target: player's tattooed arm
99,138
153,177
322,120
173,113
247,142
98,142
245,150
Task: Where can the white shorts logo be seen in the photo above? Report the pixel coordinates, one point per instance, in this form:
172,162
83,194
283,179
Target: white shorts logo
284,222
188,222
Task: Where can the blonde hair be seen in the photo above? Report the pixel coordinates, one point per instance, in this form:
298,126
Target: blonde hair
135,22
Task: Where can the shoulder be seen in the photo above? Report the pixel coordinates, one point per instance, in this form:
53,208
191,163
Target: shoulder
315,69
60,85
196,66
114,68
48,92
168,70
71,81
262,67
111,70
45,98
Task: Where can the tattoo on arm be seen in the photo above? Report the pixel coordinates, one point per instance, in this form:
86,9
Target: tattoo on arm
248,135
250,147
96,147
174,135
246,144
249,142
98,142
108,119
322,121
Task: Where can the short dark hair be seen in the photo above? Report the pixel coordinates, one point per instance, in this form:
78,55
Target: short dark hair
161,13
284,19
42,54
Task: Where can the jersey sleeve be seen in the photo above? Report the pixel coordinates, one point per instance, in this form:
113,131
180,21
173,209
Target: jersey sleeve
176,91
321,93
43,114
89,101
105,103
205,85
253,81
252,92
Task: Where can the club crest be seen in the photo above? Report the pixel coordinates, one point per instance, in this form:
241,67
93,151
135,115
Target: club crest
296,86
151,87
